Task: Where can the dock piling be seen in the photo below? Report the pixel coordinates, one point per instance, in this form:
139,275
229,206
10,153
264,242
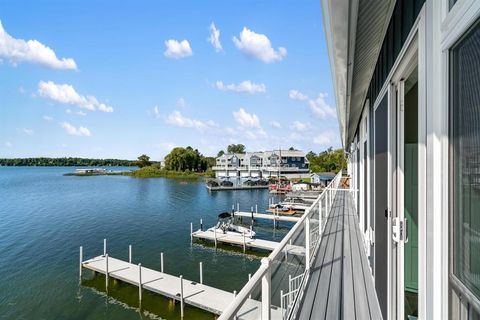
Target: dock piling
80,262
243,233
129,253
181,296
201,224
256,208
201,272
238,206
251,211
140,281
104,247
191,231
161,262
106,271
215,236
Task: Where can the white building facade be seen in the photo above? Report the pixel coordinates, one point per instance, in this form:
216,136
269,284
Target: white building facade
406,75
288,163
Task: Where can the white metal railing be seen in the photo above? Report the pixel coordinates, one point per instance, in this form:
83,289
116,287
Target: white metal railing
317,215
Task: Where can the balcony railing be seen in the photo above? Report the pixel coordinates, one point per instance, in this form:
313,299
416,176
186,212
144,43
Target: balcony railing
282,276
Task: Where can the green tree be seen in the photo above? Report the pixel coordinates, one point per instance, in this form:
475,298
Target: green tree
327,161
236,148
220,153
143,161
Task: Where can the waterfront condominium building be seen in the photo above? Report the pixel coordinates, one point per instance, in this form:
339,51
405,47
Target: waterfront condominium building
288,163
406,75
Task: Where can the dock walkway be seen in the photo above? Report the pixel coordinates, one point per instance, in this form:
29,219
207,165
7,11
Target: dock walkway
266,216
195,294
246,242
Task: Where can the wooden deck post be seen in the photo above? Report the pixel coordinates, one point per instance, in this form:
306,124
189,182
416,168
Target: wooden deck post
307,243
129,253
161,262
106,271
181,296
201,272
140,281
266,291
104,247
80,263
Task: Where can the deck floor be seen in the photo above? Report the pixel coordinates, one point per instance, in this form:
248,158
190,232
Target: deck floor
340,285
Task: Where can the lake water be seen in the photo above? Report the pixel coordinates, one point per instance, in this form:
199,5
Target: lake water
45,217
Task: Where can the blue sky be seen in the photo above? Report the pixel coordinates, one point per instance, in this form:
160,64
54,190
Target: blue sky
116,79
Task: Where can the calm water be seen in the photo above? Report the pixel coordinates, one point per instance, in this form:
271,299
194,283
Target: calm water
45,217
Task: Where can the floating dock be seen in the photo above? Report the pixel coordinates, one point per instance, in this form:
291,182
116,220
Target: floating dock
240,187
186,291
265,216
245,242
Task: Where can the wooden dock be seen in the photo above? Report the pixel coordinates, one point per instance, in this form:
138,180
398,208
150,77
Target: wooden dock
240,187
186,291
246,242
265,216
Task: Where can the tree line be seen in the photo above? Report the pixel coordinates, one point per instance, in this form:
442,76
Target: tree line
327,161
67,162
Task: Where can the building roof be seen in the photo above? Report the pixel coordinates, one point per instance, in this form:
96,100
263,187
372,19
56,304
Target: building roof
354,31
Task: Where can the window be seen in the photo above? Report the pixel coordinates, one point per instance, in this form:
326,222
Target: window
465,159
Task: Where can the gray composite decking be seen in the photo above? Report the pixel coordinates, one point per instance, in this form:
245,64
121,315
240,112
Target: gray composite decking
340,285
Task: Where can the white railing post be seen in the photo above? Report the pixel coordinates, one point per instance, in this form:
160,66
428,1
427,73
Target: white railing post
234,296
266,291
129,253
80,263
201,272
106,271
320,222
250,277
181,296
161,262
289,283
140,281
281,304
307,243
104,247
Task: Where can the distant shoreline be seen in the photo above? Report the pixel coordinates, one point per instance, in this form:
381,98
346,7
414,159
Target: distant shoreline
146,172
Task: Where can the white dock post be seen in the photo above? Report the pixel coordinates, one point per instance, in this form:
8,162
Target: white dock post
80,263
307,243
191,231
266,291
238,207
253,219
256,208
215,235
281,303
201,272
140,281
161,262
234,296
243,233
129,253
106,271
181,296
250,277
104,247
201,224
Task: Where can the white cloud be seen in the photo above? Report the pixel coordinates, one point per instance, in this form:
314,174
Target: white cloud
47,118
326,138
275,125
66,94
177,119
71,130
181,103
28,132
156,112
177,50
8,144
297,95
80,113
244,87
214,38
299,126
258,45
321,108
245,119
19,50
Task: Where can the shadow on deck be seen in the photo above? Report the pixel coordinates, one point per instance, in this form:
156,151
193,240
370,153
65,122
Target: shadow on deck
340,285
